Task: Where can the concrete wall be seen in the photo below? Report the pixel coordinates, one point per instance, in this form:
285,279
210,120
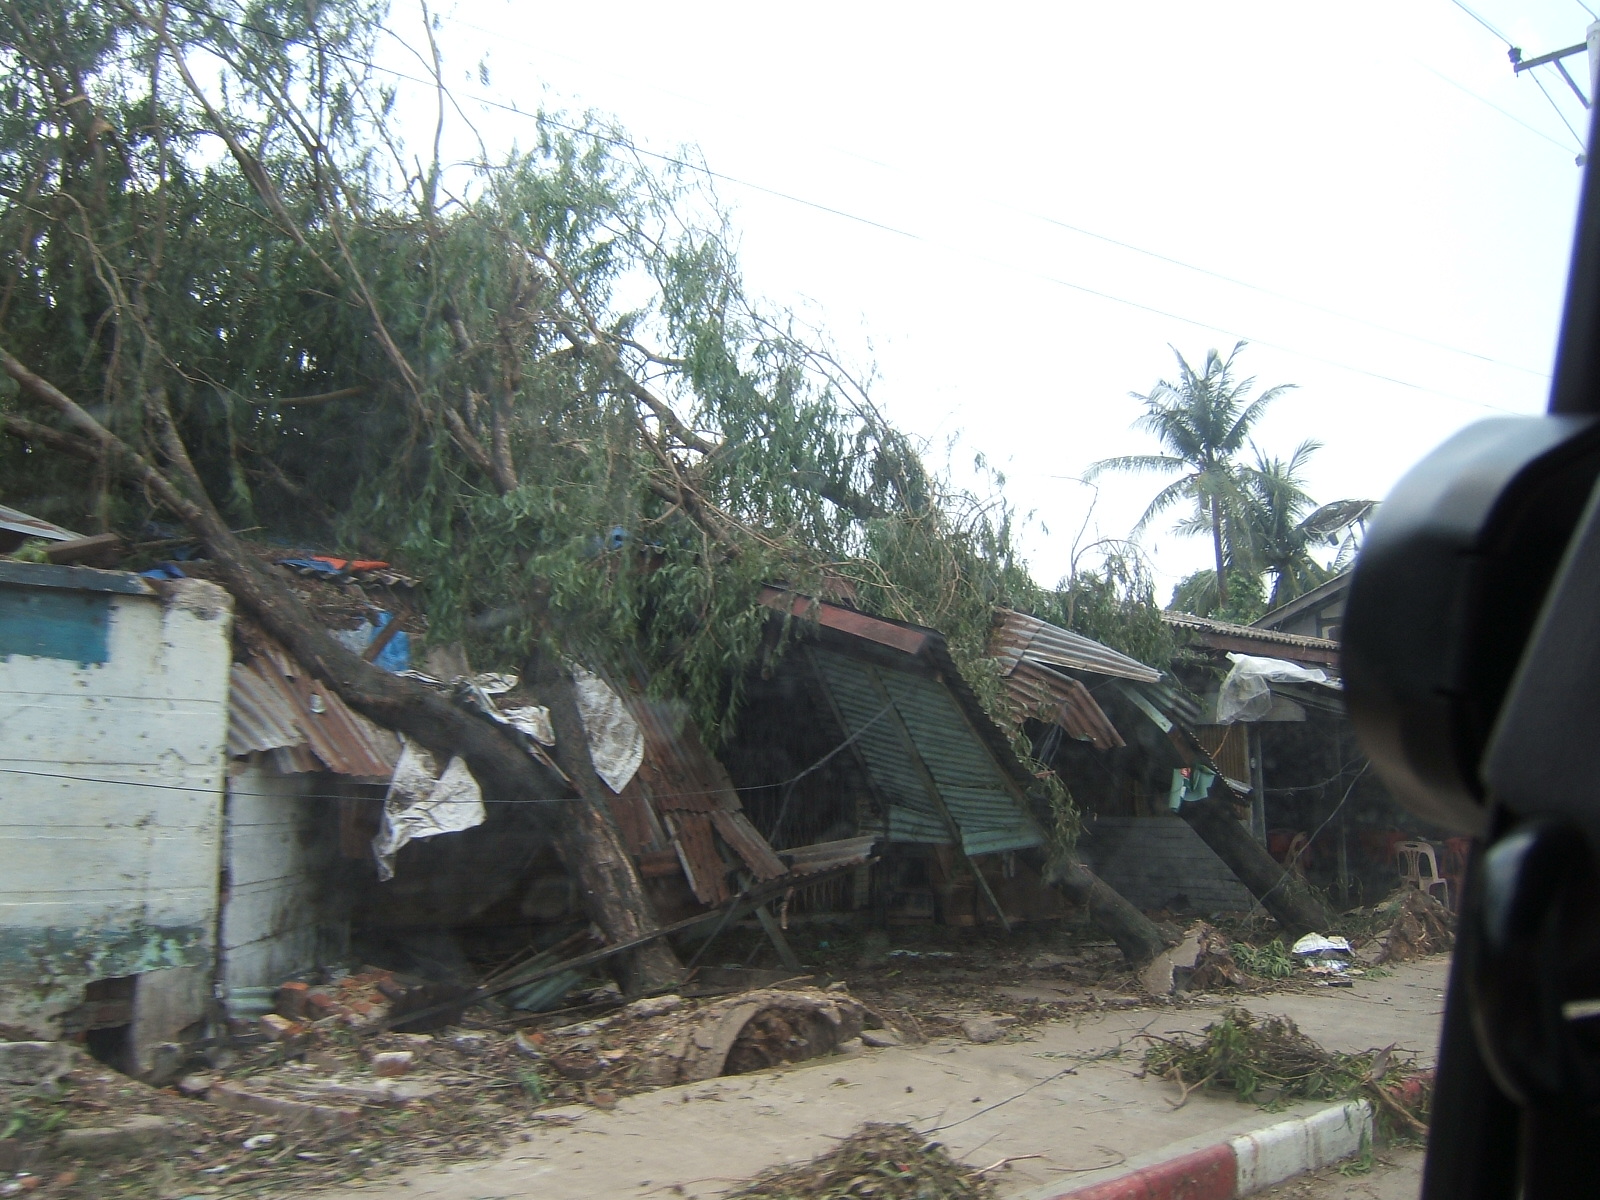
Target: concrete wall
115,714
1159,862
281,859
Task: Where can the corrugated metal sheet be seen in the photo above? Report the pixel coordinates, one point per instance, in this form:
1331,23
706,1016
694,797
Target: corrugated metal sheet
1018,636
276,707
680,776
881,708
1205,625
1035,688
16,521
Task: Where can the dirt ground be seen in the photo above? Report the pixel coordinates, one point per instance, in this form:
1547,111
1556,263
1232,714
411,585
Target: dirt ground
498,1081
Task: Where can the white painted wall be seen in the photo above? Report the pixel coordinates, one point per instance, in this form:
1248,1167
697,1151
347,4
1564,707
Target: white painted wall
111,778
281,857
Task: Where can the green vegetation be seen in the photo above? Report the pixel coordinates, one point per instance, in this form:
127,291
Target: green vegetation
1271,961
1271,1062
537,381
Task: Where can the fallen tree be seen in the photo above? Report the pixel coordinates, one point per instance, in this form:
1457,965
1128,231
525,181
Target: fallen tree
402,357
1279,889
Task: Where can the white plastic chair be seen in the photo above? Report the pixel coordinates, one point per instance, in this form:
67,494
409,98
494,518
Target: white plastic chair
1419,867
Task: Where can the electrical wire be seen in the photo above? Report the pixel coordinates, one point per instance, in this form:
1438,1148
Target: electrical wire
1289,868
1540,83
199,790
884,227
1481,21
1533,129
1132,247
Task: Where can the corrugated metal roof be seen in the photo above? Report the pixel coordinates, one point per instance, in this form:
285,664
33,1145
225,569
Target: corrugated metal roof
883,708
1017,636
680,776
1036,689
1251,632
274,705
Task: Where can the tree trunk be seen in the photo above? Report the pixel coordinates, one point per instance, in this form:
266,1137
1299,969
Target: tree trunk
1293,903
582,833
1133,932
594,852
613,895
1216,547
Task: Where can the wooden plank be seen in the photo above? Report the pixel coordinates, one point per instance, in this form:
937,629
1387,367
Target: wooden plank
846,620
786,954
691,836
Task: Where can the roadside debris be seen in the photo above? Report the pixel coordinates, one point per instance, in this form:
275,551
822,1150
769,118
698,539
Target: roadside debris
1417,925
1270,1061
884,1162
1203,961
749,1032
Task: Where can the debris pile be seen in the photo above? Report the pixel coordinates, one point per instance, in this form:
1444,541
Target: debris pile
881,1161
1269,1060
1417,925
1203,961
1326,958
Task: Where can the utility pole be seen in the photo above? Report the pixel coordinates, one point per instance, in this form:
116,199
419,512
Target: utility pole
1555,58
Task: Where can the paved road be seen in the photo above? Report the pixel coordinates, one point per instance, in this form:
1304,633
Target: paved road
1397,1175
1067,1099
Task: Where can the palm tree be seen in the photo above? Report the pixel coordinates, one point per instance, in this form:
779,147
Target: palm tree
1203,420
1285,524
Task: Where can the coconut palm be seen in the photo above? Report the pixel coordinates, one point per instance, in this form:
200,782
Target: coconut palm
1203,421
1286,524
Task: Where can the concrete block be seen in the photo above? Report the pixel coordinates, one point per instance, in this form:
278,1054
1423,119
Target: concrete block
28,1064
236,1098
132,1136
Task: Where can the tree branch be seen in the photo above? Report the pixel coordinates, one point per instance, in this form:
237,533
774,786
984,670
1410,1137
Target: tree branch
63,443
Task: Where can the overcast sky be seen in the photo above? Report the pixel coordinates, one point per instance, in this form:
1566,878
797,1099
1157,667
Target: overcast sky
1366,193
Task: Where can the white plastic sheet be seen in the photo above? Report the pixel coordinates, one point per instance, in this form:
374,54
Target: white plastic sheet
1246,694
616,743
423,802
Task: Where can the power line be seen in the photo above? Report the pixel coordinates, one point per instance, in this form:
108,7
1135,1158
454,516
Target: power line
1557,107
1132,247
1534,77
1481,21
1534,129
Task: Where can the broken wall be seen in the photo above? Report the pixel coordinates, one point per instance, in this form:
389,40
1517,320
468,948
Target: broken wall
116,713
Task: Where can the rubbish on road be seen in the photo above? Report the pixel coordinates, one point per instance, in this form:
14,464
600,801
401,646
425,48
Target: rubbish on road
885,1162
1269,1061
1202,961
1315,945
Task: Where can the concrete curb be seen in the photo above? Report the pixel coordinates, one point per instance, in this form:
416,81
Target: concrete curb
1240,1165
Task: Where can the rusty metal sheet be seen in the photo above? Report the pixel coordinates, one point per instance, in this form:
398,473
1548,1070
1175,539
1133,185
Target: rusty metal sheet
749,845
259,715
276,706
847,620
16,521
1250,639
1017,637
697,851
1070,703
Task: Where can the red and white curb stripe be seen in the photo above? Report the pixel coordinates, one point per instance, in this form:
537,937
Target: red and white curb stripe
1242,1165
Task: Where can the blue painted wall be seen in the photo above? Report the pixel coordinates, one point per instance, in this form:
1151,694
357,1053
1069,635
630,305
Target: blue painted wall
55,623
